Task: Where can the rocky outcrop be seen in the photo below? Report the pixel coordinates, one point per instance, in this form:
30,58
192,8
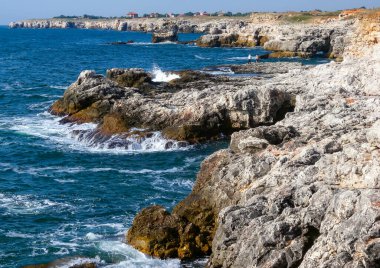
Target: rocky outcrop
192,108
303,192
286,40
169,33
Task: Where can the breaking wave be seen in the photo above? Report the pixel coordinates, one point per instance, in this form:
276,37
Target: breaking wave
130,257
161,76
86,137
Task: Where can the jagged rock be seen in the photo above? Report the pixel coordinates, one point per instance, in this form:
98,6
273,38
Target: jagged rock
303,192
155,232
270,31
218,40
88,91
169,33
129,77
373,134
193,108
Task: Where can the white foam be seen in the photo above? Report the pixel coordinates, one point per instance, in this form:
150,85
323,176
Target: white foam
116,226
132,258
39,252
92,236
26,204
18,235
83,137
59,87
201,57
152,44
220,71
65,181
79,261
238,58
160,76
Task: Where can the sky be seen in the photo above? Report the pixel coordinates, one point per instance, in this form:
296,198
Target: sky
12,10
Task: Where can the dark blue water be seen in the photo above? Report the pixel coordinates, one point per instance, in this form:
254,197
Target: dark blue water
59,196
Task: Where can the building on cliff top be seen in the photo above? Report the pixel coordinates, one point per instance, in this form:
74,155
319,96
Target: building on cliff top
132,15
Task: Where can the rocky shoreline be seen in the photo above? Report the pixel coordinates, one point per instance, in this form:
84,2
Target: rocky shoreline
324,37
303,192
298,186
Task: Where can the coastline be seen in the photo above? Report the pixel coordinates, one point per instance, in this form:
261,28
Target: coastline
298,185
275,32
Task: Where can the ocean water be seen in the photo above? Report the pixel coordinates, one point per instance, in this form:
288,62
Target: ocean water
63,196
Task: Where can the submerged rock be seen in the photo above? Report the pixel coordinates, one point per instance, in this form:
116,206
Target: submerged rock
71,262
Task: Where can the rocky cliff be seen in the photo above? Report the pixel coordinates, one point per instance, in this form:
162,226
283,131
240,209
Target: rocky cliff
303,40
302,192
285,39
185,25
298,186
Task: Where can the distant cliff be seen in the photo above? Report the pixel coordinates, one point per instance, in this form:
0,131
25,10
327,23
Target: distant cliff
185,25
285,34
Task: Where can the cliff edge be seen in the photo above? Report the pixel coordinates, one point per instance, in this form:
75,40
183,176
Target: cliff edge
303,192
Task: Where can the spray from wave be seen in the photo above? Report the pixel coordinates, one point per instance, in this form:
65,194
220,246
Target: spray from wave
86,137
161,76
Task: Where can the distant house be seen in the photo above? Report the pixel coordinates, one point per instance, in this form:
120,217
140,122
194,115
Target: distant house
221,14
204,13
132,15
154,15
170,15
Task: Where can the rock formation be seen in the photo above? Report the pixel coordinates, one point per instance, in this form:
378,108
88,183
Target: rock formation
287,40
193,108
169,33
326,38
302,192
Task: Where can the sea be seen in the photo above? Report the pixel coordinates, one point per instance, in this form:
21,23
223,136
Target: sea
62,196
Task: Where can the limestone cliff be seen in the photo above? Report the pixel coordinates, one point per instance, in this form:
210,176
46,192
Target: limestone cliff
304,192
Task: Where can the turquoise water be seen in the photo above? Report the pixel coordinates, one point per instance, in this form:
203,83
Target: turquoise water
60,196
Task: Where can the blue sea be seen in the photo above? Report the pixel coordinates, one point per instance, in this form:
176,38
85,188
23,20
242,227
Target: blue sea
61,196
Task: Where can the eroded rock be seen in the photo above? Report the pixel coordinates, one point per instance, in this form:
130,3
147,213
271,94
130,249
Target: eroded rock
305,191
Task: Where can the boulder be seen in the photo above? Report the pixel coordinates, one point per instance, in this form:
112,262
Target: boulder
218,40
155,232
129,77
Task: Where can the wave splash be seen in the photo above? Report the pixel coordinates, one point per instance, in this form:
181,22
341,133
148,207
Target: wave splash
86,137
131,258
161,76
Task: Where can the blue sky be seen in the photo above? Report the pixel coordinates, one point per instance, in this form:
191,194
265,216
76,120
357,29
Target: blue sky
11,10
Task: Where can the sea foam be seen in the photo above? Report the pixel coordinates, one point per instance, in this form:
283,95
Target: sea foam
160,76
85,137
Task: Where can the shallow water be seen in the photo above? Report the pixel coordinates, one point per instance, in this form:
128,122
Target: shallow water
63,196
